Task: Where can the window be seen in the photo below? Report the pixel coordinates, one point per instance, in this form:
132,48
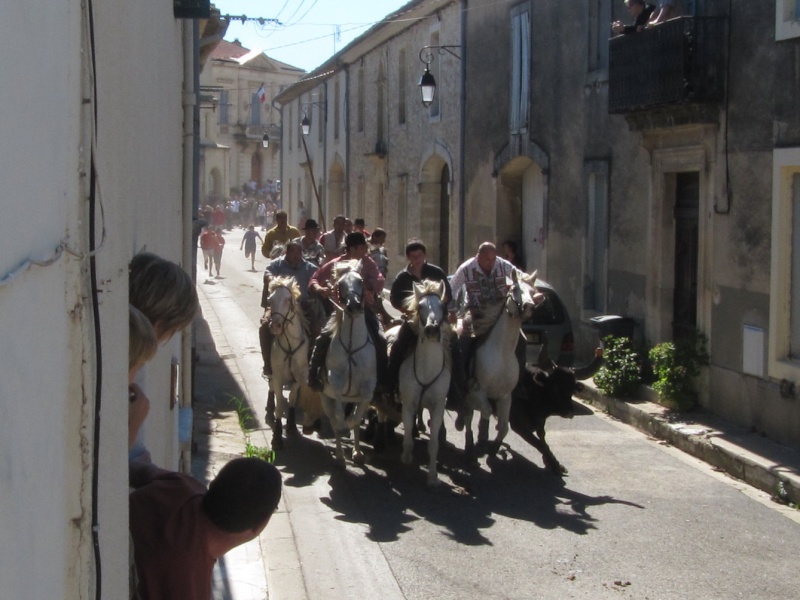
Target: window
360,108
520,68
402,76
223,107
291,126
380,138
336,108
784,313
435,106
402,214
596,241
255,110
599,31
787,19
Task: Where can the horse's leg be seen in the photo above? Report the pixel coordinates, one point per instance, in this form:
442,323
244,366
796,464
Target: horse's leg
269,418
280,407
503,412
358,456
409,412
291,417
469,440
437,416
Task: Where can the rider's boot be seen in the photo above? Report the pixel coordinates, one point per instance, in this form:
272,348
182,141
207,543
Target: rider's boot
400,349
317,362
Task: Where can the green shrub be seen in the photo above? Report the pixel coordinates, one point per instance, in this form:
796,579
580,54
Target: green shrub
676,364
621,372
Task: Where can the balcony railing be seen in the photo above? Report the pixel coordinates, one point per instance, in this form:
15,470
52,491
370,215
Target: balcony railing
681,61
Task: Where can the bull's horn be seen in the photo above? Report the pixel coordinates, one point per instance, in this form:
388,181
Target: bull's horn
593,367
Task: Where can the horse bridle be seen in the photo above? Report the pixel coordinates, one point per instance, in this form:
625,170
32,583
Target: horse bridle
425,386
288,350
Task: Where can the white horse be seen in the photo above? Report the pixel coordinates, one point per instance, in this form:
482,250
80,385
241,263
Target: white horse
350,365
425,374
496,369
289,358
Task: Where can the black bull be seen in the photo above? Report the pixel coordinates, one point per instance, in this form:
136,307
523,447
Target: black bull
543,391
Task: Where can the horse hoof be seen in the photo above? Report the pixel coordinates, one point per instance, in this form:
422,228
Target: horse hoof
433,482
277,443
358,459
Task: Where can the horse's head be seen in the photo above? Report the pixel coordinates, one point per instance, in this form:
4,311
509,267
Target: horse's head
283,293
430,309
522,297
350,286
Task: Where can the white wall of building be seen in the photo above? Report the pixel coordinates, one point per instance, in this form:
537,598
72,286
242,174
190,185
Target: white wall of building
49,370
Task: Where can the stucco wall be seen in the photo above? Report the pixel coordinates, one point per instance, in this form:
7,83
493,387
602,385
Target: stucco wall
50,370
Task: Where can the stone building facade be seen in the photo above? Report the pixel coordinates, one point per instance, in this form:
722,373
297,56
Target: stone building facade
653,177
234,119
375,150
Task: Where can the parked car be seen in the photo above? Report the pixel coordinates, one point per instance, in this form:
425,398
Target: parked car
550,319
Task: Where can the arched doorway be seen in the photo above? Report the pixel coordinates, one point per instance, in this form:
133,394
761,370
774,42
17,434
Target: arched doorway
522,210
216,183
255,168
435,210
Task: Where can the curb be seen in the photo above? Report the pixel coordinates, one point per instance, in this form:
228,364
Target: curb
755,460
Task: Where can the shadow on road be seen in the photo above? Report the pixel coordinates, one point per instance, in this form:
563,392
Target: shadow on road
387,496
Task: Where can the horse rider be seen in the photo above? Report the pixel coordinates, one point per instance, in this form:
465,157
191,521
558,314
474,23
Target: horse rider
333,240
322,284
291,264
313,251
419,268
280,234
482,279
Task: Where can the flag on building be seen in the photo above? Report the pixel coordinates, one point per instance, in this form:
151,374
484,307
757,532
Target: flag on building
262,94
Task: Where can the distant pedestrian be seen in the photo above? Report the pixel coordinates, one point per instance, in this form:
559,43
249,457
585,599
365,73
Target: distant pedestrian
249,243
208,241
219,246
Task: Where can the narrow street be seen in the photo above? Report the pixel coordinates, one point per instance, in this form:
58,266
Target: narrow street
633,519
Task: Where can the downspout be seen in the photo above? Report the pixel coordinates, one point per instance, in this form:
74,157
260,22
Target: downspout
191,155
346,139
462,178
280,149
324,178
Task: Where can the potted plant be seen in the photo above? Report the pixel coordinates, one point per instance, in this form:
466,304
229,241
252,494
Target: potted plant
675,366
621,372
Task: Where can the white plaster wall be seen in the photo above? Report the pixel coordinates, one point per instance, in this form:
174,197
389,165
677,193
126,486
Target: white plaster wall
47,382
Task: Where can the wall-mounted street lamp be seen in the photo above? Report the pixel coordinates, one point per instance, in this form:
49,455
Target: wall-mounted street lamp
265,139
427,83
305,122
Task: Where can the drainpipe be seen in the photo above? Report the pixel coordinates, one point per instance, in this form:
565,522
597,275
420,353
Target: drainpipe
324,177
462,178
191,155
346,139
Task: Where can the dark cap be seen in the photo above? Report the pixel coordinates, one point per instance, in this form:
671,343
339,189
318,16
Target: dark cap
310,224
355,239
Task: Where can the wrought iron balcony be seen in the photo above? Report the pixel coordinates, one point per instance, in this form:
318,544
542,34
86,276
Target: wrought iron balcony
681,61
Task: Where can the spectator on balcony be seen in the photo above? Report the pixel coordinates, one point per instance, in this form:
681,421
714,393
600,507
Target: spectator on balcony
641,13
665,10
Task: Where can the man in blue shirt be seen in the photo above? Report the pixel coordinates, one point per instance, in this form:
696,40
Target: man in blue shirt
291,264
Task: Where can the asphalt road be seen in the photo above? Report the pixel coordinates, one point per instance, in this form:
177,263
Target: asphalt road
633,519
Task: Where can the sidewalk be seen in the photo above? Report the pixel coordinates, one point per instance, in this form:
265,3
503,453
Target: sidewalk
242,574
747,456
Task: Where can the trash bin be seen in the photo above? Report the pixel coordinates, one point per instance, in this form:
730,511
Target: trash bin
614,326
